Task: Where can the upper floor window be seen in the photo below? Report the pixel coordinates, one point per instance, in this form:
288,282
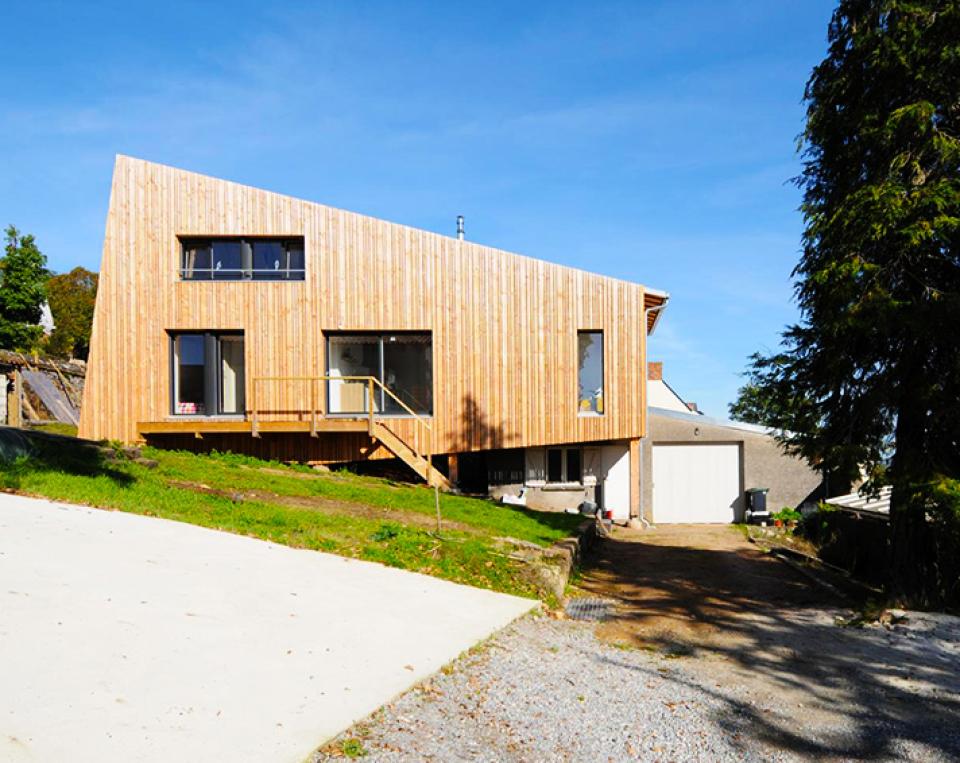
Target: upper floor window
590,376
242,258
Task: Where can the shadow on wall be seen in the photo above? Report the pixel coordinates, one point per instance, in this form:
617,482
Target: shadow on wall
831,692
476,430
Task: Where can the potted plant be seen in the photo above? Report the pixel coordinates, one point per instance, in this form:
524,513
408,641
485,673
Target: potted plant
787,517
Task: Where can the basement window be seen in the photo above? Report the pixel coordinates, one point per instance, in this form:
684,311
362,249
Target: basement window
590,373
239,258
564,465
402,362
207,373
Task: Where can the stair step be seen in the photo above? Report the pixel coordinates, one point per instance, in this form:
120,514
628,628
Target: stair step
405,453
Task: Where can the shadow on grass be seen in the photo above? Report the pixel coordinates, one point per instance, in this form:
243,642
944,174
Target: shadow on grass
23,452
554,520
839,692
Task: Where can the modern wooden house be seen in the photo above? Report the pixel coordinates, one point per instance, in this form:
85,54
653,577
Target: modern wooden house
233,318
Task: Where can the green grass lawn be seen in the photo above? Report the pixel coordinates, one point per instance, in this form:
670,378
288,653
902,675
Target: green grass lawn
338,512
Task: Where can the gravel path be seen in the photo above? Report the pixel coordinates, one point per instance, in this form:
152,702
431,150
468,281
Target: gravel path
547,690
786,683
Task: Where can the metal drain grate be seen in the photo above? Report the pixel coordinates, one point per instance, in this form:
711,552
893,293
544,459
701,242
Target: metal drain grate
589,609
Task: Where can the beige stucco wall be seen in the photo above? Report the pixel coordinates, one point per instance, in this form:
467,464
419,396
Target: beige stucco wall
764,464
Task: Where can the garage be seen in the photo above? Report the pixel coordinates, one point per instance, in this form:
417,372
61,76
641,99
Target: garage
696,483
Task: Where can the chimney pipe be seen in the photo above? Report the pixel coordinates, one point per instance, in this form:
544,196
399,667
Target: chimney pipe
460,227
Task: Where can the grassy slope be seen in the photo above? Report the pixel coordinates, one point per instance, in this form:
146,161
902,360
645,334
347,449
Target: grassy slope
361,517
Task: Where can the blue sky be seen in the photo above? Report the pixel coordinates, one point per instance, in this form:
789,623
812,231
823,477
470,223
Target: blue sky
652,141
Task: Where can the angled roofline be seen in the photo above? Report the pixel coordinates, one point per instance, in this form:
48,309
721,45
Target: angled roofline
647,291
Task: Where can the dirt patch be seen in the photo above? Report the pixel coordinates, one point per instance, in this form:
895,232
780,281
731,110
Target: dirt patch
681,586
722,610
326,506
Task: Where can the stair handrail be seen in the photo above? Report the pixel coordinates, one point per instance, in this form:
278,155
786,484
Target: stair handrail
372,414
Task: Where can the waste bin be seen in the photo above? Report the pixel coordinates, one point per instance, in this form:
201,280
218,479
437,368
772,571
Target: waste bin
757,504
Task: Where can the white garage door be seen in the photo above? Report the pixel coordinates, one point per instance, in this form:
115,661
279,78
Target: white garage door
696,483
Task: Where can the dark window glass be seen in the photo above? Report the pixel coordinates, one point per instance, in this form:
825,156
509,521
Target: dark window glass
234,259
190,360
295,258
270,261
227,264
574,467
408,372
590,375
196,260
208,373
554,466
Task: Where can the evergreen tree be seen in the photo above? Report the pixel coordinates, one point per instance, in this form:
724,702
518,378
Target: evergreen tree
870,377
23,274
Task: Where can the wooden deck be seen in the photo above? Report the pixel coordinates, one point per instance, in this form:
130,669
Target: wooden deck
378,430
201,426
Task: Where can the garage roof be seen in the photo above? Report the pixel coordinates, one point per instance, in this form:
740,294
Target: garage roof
699,418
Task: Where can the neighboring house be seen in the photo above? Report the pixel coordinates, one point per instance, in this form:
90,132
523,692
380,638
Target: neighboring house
233,318
697,468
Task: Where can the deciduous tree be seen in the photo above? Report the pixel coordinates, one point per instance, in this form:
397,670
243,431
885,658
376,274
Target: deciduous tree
72,297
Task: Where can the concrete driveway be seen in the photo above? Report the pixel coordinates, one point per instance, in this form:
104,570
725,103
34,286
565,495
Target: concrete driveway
138,639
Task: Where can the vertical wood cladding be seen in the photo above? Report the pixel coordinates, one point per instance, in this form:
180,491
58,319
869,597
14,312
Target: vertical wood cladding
504,326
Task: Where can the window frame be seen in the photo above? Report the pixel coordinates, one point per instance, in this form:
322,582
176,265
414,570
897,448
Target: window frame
603,374
288,242
564,451
215,364
382,396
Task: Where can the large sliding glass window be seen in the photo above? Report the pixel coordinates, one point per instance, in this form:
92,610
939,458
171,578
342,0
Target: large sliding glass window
403,362
590,375
242,259
208,373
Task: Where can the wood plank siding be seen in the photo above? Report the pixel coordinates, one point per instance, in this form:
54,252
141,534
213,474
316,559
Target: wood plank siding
504,326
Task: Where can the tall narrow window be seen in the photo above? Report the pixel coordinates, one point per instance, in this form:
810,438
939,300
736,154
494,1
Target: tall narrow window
590,376
232,374
555,465
401,362
189,359
208,373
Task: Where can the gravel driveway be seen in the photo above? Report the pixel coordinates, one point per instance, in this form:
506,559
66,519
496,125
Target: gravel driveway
752,667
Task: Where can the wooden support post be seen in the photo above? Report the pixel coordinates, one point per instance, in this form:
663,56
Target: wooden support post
453,469
254,419
14,393
370,403
313,407
634,479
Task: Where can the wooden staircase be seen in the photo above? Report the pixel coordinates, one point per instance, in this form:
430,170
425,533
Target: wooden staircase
421,465
416,457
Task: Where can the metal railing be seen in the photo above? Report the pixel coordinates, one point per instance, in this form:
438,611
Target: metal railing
422,445
242,274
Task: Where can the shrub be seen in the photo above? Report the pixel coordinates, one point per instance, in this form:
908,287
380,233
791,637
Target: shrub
786,514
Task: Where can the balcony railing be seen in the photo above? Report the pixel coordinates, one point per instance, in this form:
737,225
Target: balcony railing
422,445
